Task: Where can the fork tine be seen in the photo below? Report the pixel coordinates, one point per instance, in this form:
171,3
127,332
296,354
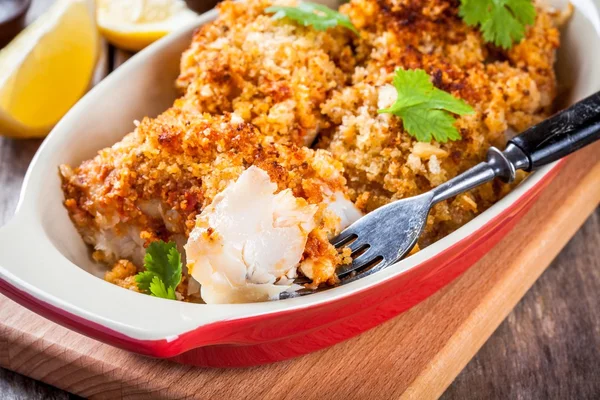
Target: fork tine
343,238
358,248
301,280
363,260
344,271
364,272
301,292
379,239
290,295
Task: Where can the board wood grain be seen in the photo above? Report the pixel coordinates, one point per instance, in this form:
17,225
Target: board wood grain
548,347
413,356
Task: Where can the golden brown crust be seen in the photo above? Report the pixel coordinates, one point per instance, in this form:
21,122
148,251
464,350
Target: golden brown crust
255,90
508,90
319,248
183,159
274,74
123,274
156,181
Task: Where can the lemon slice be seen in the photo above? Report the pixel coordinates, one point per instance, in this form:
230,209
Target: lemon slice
134,24
47,68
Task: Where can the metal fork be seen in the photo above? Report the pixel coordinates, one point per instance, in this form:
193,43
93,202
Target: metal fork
384,236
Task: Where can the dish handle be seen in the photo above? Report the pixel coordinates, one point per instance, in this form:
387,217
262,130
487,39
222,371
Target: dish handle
19,239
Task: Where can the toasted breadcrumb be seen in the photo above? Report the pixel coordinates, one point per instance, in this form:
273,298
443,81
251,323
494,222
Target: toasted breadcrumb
244,67
269,72
508,90
256,90
123,274
153,184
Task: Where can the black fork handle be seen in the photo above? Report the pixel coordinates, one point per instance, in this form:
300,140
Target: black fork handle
561,134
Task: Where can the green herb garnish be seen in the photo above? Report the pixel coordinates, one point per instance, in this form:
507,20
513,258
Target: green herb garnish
425,110
502,22
318,16
163,270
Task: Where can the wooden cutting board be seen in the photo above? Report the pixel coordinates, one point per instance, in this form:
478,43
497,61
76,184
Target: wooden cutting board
415,355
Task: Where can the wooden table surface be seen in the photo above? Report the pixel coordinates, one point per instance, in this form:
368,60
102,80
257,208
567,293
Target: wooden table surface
548,347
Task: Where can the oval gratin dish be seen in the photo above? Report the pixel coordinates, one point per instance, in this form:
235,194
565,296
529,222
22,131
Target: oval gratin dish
45,266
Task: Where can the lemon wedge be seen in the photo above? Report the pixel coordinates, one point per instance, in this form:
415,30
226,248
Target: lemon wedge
134,24
47,68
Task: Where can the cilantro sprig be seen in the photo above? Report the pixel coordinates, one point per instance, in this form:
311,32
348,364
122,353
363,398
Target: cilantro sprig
501,22
163,270
425,110
318,16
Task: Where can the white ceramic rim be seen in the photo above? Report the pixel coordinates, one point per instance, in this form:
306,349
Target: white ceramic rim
135,315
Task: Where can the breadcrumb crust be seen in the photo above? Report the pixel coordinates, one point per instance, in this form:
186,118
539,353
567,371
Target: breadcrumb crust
255,91
509,91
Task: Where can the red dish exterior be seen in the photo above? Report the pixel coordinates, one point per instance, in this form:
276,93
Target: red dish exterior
283,335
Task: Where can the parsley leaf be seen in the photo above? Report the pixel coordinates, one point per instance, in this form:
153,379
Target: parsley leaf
144,279
502,22
158,289
424,109
318,16
163,270
426,122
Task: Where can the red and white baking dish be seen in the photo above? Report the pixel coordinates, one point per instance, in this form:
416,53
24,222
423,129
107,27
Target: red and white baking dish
45,266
